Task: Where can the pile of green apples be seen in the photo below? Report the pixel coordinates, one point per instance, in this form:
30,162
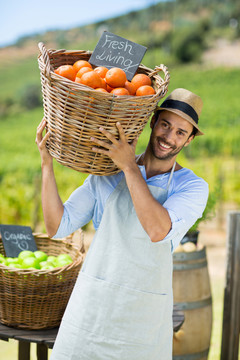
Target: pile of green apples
36,260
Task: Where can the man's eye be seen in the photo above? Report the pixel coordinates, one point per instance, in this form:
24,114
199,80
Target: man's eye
164,125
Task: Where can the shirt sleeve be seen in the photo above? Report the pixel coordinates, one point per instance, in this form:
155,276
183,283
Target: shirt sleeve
78,209
185,206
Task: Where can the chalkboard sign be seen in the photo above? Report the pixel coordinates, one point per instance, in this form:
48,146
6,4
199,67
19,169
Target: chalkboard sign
114,51
16,238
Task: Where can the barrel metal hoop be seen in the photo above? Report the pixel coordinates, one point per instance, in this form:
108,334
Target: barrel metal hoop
194,304
180,267
194,255
194,356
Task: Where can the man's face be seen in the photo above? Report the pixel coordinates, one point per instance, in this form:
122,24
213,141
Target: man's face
170,133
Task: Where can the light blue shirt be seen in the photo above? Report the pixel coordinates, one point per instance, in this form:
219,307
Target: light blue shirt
187,198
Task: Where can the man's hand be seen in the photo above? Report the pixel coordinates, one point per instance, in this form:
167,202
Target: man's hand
41,143
120,151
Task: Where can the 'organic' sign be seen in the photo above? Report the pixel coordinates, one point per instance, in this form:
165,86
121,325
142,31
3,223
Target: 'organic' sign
16,238
114,51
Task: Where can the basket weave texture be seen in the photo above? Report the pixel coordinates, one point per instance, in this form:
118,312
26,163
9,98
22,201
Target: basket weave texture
36,299
74,112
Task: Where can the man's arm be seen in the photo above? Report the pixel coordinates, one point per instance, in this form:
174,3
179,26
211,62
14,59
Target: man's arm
152,215
51,203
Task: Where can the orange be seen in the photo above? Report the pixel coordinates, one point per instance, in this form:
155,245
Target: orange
145,90
116,77
102,90
83,70
109,88
81,63
78,80
130,87
66,71
91,79
101,70
120,91
104,84
140,80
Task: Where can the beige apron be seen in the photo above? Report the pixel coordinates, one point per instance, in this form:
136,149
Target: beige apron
121,305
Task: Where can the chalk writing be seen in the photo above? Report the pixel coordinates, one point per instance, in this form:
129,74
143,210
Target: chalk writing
121,45
115,51
20,240
117,60
17,238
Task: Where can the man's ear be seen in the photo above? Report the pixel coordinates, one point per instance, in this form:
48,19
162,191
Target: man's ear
189,140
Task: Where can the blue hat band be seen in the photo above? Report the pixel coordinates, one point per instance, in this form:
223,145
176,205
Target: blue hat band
182,106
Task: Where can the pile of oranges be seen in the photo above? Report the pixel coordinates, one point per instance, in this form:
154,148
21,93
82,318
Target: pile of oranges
112,81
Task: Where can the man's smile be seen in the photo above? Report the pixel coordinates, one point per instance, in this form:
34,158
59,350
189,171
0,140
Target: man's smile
164,145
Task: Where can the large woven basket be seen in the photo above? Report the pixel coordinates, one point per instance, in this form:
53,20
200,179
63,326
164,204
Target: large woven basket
74,112
36,299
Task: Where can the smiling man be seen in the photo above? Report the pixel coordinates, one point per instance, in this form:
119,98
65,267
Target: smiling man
121,305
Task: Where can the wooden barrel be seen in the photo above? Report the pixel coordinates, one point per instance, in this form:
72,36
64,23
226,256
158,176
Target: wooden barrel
192,294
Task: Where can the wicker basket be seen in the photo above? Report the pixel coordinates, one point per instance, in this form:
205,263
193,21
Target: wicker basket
74,112
36,299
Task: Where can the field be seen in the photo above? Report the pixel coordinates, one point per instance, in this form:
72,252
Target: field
213,156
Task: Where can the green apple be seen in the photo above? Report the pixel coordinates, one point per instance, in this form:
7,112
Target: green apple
43,263
63,262
25,254
10,260
30,262
64,257
3,261
47,267
15,265
40,255
52,259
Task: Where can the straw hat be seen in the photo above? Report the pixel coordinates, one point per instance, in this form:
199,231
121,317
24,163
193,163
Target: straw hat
185,104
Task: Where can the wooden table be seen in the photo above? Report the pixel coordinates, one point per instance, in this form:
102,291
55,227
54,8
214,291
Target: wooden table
45,338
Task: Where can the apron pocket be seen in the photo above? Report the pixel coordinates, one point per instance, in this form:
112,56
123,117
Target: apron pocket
116,312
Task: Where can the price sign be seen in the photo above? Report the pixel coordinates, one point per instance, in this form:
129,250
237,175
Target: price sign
114,51
16,238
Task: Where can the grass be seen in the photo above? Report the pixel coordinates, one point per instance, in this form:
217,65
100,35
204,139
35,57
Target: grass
20,169
14,77
217,286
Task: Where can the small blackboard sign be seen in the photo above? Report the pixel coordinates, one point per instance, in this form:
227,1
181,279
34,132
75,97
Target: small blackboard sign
115,51
16,238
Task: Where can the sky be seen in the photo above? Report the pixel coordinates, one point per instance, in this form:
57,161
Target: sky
26,17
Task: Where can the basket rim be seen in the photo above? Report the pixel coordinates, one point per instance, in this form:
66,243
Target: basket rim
49,71
56,270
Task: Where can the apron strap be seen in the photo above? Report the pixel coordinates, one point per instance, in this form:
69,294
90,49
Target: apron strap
171,175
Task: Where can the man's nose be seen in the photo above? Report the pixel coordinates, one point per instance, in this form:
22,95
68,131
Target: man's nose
169,136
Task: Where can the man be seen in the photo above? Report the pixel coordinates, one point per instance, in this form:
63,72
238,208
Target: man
121,305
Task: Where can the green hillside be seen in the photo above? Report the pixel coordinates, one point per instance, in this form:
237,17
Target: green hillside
165,25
